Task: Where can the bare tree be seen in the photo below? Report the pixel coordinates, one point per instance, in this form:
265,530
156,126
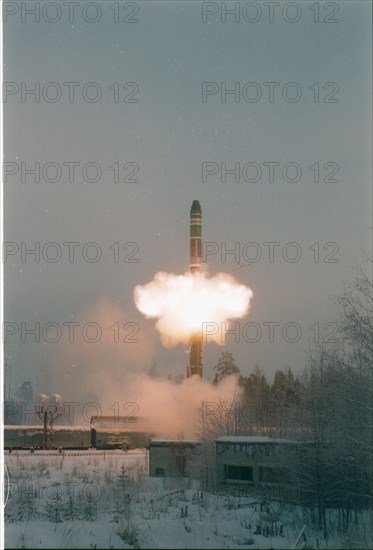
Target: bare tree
335,467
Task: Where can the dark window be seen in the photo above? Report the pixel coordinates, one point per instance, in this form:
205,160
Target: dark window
159,472
180,465
242,473
274,475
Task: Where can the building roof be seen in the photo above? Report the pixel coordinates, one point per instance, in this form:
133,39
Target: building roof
251,439
166,442
39,427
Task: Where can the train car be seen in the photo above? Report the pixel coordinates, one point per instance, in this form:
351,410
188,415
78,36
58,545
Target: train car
110,439
117,438
74,437
32,437
23,437
70,438
121,432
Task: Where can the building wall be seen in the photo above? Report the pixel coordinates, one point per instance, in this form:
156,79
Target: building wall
173,458
242,465
253,463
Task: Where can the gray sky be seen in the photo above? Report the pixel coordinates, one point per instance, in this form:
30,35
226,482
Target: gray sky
169,133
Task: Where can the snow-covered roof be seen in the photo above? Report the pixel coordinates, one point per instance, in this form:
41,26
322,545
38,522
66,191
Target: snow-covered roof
250,439
39,427
157,441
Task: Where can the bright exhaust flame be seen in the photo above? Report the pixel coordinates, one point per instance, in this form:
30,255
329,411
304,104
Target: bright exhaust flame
182,303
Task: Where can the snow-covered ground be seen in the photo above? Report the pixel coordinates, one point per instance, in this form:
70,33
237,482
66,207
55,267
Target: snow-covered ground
96,499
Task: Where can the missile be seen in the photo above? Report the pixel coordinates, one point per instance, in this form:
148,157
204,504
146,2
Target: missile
195,266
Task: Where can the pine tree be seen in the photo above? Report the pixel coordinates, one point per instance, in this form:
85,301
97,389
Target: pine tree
225,367
123,477
26,508
71,509
30,503
117,511
90,509
54,507
256,401
21,506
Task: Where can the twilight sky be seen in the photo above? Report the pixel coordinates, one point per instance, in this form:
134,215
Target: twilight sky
169,133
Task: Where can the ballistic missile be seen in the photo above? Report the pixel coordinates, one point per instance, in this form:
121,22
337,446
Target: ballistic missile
195,266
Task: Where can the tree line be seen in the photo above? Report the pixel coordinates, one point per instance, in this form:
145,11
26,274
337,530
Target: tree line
326,409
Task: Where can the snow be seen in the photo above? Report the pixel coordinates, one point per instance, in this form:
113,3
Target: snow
251,439
79,534
39,427
177,441
114,504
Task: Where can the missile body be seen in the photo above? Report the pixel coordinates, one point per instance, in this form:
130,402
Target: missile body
195,266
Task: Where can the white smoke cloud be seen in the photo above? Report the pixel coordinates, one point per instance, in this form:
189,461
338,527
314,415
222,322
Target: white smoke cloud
178,410
182,303
84,371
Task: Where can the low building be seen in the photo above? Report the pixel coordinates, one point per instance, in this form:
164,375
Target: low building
173,458
248,464
255,461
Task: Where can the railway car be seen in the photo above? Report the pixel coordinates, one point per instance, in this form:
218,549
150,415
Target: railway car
23,437
110,438
70,438
74,437
32,437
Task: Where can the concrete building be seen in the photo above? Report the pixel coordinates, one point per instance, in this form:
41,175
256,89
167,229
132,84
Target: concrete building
254,460
173,458
259,465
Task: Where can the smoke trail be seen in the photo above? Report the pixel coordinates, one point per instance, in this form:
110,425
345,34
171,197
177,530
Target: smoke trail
85,371
182,303
178,410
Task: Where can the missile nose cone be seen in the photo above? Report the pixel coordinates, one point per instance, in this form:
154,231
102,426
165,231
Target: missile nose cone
196,208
